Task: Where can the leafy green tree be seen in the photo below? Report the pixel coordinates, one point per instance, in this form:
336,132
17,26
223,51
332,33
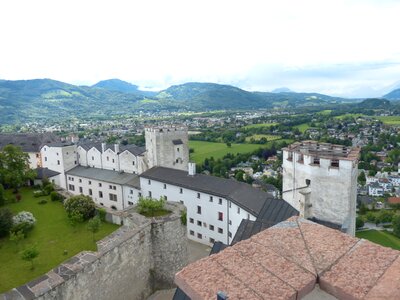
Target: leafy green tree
94,226
362,179
17,237
14,167
239,176
148,206
2,196
228,144
359,223
396,225
82,205
30,254
75,218
6,221
362,209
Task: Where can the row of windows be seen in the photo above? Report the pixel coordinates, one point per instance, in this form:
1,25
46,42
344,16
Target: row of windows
203,224
113,197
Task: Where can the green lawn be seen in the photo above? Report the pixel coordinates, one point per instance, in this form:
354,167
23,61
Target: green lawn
52,234
390,120
341,117
269,137
383,238
260,125
303,127
203,150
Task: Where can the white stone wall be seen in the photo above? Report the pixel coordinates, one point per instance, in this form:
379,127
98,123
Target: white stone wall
94,158
128,162
96,187
162,152
199,226
34,160
110,160
333,189
82,156
131,195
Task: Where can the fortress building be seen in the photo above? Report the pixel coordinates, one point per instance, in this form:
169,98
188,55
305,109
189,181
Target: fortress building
320,181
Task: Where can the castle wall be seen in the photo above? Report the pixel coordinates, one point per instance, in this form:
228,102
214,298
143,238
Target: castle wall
129,264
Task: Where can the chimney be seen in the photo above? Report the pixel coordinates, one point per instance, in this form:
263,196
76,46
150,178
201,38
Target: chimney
116,148
192,169
103,147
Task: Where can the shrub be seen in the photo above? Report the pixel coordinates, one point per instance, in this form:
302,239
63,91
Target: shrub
359,223
48,189
42,202
40,193
6,221
384,216
396,225
370,217
23,221
94,225
183,217
82,205
101,212
23,227
54,196
30,254
149,206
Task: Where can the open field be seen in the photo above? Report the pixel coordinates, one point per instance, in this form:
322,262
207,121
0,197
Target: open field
341,117
302,127
383,238
258,137
203,150
52,235
390,120
260,125
325,112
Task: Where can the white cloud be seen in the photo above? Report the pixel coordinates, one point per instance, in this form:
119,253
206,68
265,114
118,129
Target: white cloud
165,42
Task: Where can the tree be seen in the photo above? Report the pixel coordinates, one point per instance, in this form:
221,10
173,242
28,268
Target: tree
239,176
2,196
74,219
148,206
94,225
82,205
396,225
6,221
362,179
17,237
228,144
359,223
30,254
362,209
14,167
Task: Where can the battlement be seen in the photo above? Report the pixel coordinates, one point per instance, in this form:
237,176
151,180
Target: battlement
324,150
166,128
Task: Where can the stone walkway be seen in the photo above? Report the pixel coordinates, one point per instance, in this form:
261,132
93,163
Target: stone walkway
196,251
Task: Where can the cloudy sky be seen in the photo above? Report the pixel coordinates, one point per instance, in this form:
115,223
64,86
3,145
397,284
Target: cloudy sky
339,47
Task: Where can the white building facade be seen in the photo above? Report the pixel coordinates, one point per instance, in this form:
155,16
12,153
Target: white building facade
320,181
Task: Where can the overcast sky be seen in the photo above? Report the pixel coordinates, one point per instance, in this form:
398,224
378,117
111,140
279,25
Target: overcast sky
348,48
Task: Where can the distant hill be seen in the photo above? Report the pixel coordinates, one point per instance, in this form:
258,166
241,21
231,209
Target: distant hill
118,85
393,95
374,103
31,100
282,90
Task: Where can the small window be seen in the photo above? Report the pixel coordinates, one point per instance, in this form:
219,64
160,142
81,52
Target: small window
212,241
165,198
130,203
45,158
71,187
131,192
100,184
198,195
238,210
199,236
90,182
110,187
191,220
133,163
220,216
220,230
113,160
220,201
114,187
92,157
80,190
199,210
177,149
150,194
211,198
57,153
191,232
140,194
229,234
290,156
248,216
100,194
211,227
80,180
181,191
316,161
149,182
113,207
90,192
108,159
58,162
230,204
335,163
165,186
199,223
230,222
113,197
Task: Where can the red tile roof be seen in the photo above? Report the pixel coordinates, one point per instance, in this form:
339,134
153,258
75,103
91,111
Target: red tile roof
394,200
286,261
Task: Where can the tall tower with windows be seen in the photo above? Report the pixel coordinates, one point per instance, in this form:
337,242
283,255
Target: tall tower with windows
320,181
167,146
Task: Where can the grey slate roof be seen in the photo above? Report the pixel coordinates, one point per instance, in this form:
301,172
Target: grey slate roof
29,142
45,172
135,150
240,193
103,175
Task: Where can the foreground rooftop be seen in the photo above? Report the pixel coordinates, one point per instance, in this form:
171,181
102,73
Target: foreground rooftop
293,259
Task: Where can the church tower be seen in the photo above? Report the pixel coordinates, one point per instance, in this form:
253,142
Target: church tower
167,146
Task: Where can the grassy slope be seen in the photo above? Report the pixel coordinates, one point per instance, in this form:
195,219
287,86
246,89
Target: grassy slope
383,238
52,235
204,150
260,125
303,127
269,137
390,120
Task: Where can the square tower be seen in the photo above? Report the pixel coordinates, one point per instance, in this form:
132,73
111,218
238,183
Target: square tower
320,181
167,146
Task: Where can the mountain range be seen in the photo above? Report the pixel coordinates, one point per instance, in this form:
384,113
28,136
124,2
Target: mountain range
30,100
